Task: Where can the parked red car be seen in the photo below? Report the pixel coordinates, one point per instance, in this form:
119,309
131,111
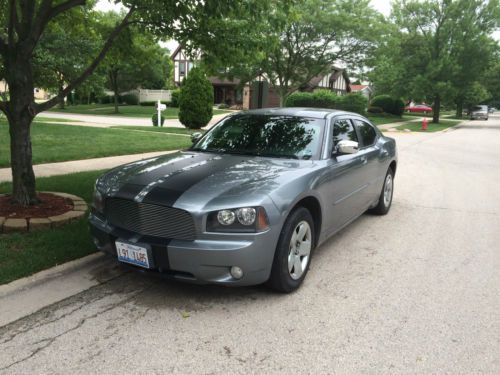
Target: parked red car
421,108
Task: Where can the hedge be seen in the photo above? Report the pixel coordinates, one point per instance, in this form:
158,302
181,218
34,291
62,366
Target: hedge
130,99
388,104
327,99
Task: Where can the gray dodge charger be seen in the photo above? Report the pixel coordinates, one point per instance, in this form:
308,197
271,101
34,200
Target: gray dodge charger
250,200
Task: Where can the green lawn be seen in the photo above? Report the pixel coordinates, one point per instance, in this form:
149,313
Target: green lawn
381,119
417,126
25,254
125,110
54,142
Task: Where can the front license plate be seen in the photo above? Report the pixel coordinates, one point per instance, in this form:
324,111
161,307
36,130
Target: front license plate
133,254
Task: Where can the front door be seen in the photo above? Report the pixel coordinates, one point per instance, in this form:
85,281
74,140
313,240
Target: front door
344,178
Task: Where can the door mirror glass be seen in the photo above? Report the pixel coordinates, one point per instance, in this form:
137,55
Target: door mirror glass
347,147
195,137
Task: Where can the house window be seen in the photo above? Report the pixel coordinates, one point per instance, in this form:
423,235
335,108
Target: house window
182,68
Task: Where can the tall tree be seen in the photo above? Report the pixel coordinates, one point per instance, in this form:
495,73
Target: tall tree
23,23
436,49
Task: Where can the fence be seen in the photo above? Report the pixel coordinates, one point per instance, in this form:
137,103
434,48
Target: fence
154,95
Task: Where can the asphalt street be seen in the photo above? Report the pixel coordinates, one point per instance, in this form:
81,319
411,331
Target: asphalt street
413,292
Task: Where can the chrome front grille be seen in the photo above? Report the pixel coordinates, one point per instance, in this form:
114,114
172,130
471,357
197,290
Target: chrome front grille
150,219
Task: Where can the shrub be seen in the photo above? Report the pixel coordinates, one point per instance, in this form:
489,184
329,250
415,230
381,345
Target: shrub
299,99
398,107
174,100
130,99
196,100
223,106
155,119
324,99
373,109
317,99
106,99
355,102
383,101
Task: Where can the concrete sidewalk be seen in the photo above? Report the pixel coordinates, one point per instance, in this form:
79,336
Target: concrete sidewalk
109,121
66,167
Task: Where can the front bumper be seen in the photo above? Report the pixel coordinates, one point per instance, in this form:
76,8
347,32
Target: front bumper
207,260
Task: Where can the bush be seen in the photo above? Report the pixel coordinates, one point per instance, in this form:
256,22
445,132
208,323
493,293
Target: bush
106,99
373,109
223,106
327,99
299,99
383,101
398,107
196,100
317,99
355,102
130,99
155,119
388,104
174,101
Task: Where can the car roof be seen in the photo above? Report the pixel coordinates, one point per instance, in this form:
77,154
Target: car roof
298,111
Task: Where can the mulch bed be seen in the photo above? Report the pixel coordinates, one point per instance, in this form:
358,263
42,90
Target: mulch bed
50,205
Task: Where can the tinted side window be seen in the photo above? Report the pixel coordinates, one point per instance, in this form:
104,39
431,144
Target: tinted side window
343,130
367,133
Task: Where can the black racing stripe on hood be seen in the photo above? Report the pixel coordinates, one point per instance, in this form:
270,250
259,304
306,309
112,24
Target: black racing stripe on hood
170,190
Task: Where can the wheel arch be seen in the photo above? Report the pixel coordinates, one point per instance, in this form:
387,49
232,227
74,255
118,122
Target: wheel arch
313,205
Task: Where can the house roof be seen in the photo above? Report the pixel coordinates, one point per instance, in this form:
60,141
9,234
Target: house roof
314,82
359,87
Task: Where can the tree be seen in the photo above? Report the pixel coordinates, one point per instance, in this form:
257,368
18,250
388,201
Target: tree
23,23
196,100
436,49
67,44
135,60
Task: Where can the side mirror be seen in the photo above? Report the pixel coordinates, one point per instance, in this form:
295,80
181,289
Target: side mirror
195,137
346,147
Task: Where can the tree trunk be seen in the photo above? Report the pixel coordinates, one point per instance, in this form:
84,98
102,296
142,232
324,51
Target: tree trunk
460,108
20,113
61,102
436,109
113,77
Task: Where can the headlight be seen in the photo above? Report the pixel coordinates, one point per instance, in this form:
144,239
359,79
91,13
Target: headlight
98,200
244,219
226,217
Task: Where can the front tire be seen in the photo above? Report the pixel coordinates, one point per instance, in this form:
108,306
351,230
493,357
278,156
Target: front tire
385,199
293,252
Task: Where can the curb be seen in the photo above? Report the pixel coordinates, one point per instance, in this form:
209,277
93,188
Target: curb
30,294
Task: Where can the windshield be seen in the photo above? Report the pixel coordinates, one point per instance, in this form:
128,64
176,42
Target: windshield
264,135
479,108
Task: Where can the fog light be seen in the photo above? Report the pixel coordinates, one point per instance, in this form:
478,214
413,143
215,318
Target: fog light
236,272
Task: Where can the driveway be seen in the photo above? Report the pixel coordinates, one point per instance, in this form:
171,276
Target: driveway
416,291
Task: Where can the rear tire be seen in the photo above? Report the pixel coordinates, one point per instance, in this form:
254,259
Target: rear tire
385,199
293,252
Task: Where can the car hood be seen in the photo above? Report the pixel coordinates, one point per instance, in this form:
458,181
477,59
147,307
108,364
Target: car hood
195,179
